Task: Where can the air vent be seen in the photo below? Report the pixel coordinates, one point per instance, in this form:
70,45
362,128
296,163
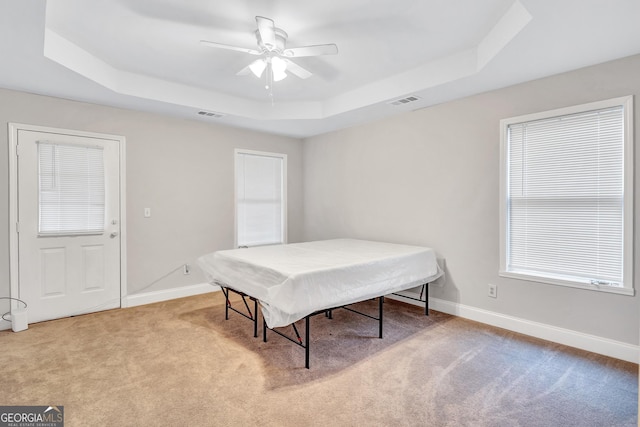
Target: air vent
406,100
210,114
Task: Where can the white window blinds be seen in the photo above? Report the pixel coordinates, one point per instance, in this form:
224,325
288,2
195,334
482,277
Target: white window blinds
565,197
71,189
260,198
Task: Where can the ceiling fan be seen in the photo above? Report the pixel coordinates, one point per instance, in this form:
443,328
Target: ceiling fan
275,56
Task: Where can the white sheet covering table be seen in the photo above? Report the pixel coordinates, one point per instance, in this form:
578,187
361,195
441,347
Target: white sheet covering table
294,280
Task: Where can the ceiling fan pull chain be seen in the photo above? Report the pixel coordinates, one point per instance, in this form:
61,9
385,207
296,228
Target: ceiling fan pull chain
269,76
269,81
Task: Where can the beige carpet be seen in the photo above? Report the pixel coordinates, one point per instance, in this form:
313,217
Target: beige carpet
179,363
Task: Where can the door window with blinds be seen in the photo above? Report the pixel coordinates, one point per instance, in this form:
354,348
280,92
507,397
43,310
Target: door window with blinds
71,189
567,196
260,198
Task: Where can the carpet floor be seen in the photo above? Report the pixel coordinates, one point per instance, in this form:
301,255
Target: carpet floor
179,363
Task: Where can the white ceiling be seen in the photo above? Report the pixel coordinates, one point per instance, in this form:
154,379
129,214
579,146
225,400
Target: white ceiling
146,55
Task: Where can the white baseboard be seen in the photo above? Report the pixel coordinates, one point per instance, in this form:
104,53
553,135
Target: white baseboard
592,343
167,294
155,296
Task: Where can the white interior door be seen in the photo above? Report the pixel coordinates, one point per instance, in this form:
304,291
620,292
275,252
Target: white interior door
68,223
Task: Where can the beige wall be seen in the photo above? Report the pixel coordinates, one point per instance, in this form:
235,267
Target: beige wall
182,170
431,177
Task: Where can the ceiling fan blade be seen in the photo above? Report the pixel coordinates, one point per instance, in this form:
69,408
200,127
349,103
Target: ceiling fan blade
229,47
294,68
316,50
267,31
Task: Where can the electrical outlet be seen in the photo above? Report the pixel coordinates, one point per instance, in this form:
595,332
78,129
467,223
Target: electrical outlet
186,269
493,291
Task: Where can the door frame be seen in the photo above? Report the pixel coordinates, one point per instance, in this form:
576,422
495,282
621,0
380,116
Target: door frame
13,202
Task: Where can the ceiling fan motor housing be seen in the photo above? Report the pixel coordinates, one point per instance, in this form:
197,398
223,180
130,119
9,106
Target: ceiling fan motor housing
281,40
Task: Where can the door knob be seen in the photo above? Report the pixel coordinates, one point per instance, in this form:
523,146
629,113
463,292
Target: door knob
114,234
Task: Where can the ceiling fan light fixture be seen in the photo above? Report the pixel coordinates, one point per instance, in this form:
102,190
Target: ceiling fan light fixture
279,67
257,67
279,76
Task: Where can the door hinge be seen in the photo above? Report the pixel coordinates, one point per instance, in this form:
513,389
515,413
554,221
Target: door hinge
17,227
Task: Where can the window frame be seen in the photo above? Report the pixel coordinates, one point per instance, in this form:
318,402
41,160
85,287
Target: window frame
283,157
628,194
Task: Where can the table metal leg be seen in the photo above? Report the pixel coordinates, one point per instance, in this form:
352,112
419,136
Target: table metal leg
264,330
380,310
426,299
306,342
255,318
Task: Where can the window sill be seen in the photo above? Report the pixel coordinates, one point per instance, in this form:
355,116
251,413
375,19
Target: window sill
570,284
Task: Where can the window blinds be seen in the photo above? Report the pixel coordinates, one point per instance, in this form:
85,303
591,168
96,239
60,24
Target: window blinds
566,197
259,199
71,189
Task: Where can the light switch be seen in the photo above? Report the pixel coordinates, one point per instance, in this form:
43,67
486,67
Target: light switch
147,212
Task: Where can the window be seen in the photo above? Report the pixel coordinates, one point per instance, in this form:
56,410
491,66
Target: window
567,196
260,198
71,189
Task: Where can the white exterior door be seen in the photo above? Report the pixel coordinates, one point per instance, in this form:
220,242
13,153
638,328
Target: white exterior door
68,223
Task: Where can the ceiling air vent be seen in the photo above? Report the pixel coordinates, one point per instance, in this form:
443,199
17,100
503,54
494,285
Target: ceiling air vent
210,114
406,100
